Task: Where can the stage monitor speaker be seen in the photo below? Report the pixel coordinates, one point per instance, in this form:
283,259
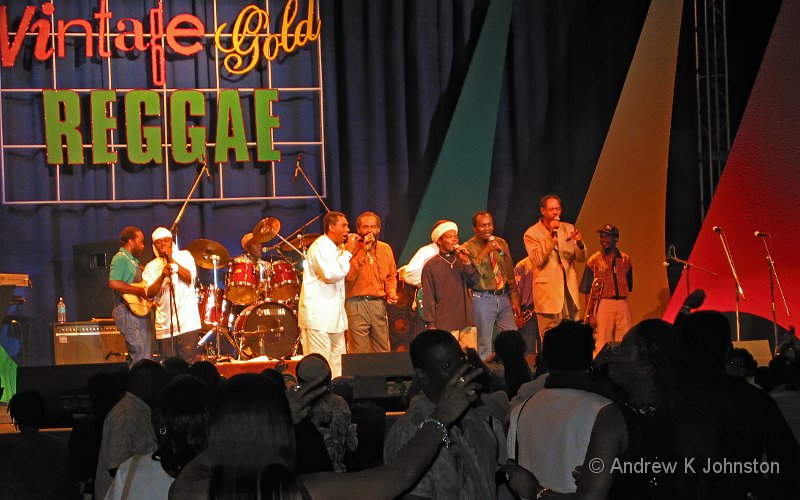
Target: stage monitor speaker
64,388
382,364
758,348
383,377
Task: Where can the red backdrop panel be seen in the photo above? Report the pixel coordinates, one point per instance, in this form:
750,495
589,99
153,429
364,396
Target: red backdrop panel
758,190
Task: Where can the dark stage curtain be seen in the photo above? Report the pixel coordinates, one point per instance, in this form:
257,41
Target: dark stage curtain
393,70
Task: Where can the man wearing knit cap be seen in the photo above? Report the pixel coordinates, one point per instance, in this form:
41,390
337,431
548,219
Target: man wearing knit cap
607,308
446,305
178,322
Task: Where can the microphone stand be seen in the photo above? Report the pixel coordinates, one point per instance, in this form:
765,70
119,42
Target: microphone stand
686,267
173,309
739,291
174,228
773,278
299,168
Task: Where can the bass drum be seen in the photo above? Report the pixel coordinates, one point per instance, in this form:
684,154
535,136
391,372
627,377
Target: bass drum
268,328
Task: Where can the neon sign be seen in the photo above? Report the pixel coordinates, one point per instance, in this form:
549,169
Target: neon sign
183,28
244,46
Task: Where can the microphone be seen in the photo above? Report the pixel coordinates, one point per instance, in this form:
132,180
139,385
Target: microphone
499,250
759,234
670,255
297,167
717,229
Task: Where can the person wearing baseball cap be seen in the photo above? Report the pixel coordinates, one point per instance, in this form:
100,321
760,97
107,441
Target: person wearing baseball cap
607,281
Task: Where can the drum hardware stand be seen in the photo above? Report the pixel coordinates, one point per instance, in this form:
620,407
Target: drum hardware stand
302,228
295,347
299,231
773,279
299,170
739,291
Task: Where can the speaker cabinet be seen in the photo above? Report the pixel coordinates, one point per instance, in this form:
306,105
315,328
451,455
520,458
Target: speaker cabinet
77,348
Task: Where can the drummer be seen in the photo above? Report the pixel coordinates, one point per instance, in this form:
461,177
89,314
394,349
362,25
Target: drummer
252,250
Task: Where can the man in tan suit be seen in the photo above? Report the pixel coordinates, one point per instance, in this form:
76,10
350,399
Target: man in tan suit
553,248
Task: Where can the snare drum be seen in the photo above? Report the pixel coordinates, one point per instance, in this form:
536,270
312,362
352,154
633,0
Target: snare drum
241,281
212,305
269,328
283,284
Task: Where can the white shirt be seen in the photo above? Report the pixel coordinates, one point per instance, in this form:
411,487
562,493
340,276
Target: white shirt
554,431
185,296
322,296
413,275
150,481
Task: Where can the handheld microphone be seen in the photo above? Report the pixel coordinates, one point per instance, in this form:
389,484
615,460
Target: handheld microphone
499,250
759,234
717,229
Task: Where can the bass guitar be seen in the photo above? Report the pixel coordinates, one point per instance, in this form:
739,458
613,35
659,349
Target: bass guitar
138,305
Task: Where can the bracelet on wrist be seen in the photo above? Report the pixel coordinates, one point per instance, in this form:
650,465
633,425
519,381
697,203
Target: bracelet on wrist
440,426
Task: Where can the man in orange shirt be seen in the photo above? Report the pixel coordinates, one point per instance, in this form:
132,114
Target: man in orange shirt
370,283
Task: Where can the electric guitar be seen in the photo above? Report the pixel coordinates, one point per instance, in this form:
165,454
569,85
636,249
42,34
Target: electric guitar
138,306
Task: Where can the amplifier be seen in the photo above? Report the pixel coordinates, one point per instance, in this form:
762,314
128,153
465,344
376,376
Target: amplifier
83,342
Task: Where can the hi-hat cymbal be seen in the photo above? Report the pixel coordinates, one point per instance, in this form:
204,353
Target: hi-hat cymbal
301,242
266,229
208,254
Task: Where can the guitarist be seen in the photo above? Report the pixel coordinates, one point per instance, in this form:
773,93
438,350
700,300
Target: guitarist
125,270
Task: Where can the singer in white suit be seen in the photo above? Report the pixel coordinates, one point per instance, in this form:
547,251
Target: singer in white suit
321,314
553,248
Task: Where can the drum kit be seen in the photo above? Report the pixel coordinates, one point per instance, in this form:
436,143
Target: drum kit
256,311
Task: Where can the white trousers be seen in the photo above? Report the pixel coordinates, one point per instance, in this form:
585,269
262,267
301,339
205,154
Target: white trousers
329,344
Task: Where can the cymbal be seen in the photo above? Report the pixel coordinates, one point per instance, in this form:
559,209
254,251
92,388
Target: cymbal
301,242
266,229
204,253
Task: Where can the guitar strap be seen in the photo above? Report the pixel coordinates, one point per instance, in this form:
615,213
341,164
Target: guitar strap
137,274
